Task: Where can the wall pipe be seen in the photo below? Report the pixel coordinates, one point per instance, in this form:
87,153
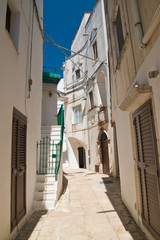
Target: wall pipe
144,39
152,26
137,22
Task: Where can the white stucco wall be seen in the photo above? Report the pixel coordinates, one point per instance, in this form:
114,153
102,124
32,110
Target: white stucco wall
125,137
125,151
14,76
49,105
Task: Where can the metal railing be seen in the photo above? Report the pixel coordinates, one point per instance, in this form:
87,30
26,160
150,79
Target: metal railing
49,69
102,115
49,153
60,122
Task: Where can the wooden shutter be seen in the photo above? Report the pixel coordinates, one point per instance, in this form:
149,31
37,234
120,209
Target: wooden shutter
18,175
147,162
14,173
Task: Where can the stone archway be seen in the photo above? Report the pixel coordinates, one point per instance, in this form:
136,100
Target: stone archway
76,153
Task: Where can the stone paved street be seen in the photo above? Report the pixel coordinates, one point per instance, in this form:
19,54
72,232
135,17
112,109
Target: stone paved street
90,209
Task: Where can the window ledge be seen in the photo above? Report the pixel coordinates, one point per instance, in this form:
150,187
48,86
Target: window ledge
12,43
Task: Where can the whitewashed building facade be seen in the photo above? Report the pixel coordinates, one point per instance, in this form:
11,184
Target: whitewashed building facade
20,109
87,108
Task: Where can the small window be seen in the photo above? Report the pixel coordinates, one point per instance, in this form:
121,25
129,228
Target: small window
91,99
77,114
119,30
78,74
13,23
8,18
95,51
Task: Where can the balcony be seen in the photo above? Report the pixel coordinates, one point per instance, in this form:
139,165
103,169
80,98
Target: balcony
50,75
102,115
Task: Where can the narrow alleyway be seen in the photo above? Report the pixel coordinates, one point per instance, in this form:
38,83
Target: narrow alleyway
90,209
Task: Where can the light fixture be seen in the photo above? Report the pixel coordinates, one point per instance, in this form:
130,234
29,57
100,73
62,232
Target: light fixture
50,94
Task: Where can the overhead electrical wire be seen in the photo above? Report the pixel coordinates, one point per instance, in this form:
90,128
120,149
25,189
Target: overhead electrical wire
61,47
65,53
54,43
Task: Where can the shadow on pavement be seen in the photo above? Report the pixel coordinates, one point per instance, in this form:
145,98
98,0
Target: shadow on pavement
32,223
112,186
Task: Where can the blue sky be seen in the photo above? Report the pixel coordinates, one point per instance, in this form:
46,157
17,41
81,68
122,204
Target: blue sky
61,20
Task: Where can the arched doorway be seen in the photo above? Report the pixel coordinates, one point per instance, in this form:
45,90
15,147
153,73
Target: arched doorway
82,157
105,155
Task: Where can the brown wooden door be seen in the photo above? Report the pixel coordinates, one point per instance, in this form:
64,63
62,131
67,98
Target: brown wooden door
105,155
18,168
147,161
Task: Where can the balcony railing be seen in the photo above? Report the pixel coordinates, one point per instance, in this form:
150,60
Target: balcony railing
49,69
102,115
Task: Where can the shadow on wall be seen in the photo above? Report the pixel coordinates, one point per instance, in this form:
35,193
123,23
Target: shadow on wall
112,186
65,184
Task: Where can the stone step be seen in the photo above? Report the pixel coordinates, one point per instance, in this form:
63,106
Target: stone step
46,178
45,195
41,186
50,134
44,204
52,127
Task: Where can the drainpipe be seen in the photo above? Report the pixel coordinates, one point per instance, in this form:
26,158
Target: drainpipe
88,134
143,39
152,26
137,23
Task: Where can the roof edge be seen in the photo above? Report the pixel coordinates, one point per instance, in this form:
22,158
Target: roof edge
80,25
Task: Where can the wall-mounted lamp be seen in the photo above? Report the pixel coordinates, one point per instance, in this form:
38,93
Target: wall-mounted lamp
153,74
50,94
136,85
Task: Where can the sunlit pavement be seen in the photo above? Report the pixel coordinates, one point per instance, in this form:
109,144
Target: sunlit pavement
90,209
